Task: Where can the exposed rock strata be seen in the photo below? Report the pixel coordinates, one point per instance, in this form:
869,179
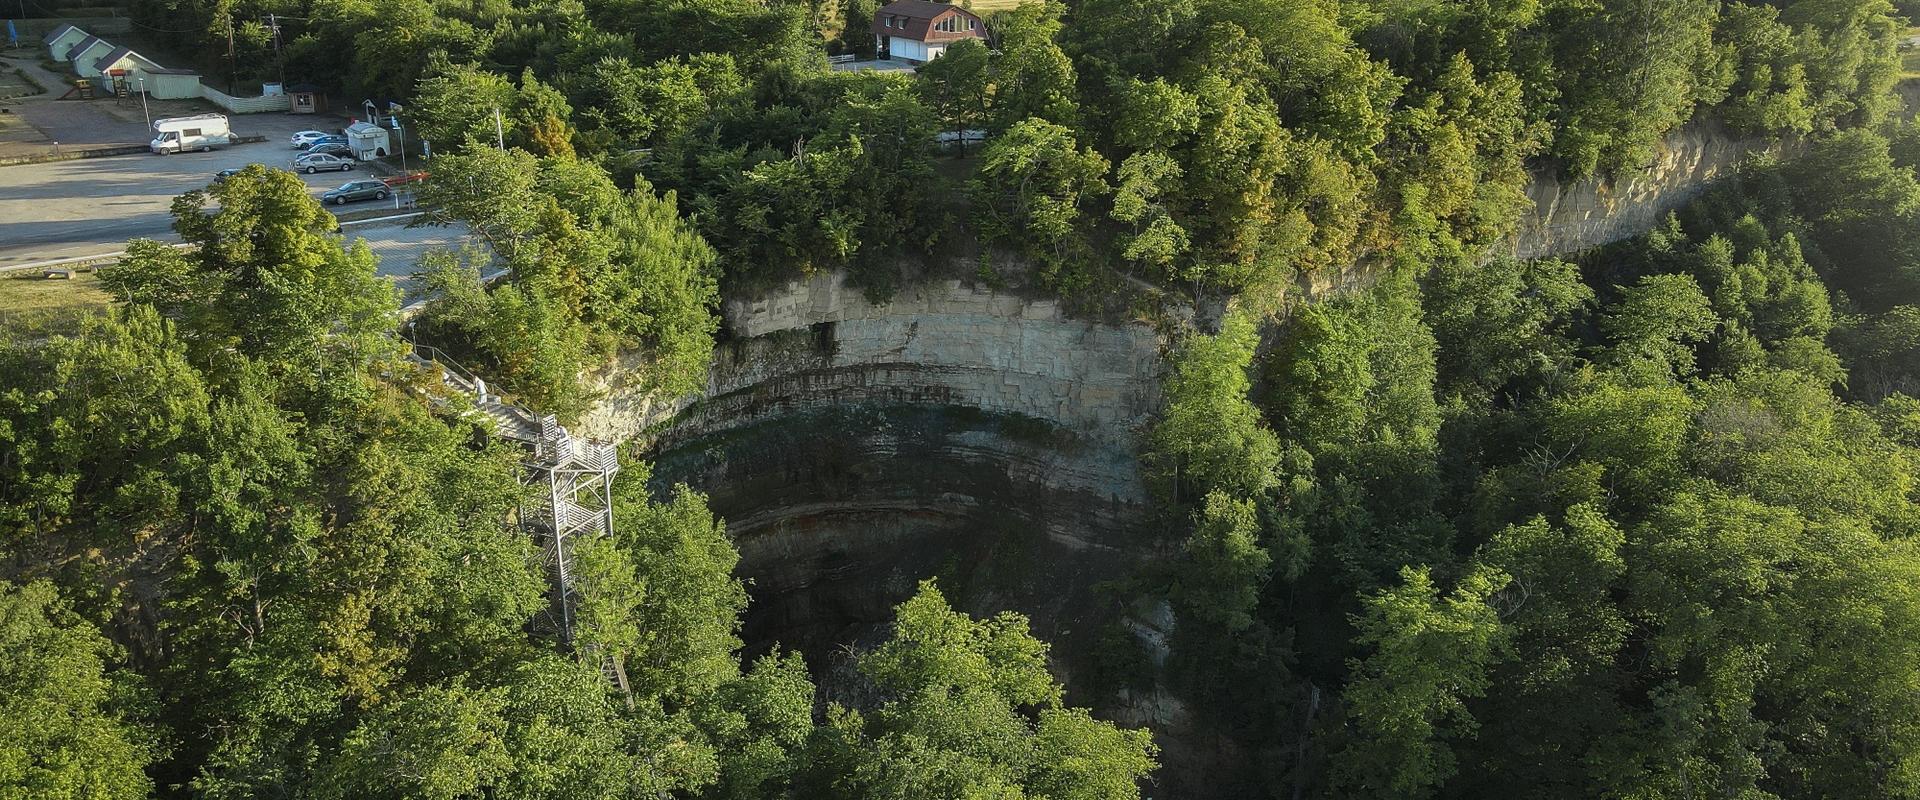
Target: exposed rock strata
855,448
983,437
1568,217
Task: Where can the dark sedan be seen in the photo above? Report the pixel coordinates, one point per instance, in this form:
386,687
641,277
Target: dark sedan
228,173
356,190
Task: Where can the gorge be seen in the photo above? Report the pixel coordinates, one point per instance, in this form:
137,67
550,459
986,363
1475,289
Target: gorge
986,437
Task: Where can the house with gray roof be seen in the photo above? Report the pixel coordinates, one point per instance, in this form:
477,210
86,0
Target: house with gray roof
62,39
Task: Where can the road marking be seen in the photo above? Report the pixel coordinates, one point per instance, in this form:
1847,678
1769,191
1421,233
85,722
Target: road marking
74,260
383,219
118,253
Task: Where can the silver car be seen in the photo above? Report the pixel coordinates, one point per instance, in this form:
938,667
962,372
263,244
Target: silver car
321,162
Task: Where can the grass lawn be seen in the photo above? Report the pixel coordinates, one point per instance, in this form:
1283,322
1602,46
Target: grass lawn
1910,56
985,7
32,306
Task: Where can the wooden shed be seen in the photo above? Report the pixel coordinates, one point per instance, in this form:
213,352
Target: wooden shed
306,98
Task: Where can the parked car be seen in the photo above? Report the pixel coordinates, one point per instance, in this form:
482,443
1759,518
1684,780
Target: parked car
404,179
321,162
228,173
332,149
355,190
328,139
304,138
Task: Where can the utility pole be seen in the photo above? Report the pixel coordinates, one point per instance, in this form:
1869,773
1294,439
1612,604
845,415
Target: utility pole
143,103
399,128
499,131
273,21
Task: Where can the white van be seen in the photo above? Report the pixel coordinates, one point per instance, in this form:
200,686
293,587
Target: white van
200,132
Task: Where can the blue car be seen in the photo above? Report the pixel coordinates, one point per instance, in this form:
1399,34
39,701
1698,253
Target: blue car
339,140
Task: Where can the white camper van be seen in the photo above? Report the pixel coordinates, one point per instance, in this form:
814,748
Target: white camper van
201,132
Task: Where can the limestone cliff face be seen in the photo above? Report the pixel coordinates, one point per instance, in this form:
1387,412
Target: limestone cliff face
1568,217
819,342
856,448
985,438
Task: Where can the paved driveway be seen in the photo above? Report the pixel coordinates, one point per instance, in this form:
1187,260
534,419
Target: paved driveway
400,247
94,205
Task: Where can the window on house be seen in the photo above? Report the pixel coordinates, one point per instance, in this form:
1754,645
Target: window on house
973,24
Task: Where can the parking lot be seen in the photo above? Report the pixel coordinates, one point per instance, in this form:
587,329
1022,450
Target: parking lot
43,123
82,207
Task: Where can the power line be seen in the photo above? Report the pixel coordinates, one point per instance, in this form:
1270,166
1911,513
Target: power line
138,24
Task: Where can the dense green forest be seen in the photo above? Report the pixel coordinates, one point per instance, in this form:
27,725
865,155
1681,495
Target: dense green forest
1632,523
257,557
1211,147
1638,525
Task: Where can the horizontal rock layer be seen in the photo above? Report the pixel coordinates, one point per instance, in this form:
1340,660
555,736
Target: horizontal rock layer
855,448
986,438
1570,216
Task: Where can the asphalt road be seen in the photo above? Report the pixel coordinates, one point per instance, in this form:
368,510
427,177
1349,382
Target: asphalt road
91,206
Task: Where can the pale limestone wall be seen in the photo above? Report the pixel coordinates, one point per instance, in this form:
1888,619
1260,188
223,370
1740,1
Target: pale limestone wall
1569,217
819,341
856,448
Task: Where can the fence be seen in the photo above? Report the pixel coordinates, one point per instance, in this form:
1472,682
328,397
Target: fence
245,105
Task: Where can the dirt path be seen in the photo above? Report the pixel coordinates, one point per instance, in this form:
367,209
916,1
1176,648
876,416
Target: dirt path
55,84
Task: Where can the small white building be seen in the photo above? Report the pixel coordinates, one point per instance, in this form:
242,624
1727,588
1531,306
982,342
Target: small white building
126,61
144,74
61,40
368,141
169,84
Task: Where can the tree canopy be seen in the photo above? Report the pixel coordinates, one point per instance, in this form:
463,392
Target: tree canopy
1425,520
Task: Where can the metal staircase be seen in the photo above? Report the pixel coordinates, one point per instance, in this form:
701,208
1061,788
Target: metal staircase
576,475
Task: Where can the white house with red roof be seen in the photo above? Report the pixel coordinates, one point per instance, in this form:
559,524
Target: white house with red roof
918,31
